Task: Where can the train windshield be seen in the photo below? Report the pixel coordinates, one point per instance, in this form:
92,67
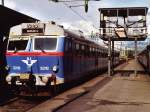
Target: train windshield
17,45
45,43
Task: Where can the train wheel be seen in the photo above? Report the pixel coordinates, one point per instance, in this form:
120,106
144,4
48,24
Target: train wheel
56,89
53,90
15,90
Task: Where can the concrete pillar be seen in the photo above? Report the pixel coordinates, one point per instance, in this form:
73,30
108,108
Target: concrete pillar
112,62
109,56
135,57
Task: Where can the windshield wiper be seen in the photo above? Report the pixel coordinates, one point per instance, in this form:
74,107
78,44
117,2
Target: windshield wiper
41,49
16,50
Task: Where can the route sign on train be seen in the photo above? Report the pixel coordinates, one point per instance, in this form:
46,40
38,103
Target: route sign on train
123,24
32,28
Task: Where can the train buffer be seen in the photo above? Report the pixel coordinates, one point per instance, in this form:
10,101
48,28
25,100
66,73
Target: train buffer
118,94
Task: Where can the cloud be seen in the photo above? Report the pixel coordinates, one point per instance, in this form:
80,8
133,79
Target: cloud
77,19
85,26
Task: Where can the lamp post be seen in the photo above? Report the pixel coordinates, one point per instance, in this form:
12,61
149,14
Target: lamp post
2,2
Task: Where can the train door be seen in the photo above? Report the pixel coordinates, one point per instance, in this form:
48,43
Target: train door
68,59
83,57
96,59
77,58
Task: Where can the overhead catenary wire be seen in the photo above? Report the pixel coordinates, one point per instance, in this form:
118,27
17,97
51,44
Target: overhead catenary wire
75,11
73,0
78,14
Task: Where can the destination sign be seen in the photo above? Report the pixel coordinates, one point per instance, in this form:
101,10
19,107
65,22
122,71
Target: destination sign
39,30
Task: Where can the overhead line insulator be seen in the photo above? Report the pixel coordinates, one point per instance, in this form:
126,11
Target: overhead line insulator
86,5
55,0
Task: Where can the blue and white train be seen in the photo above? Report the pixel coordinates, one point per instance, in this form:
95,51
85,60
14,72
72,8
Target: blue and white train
45,54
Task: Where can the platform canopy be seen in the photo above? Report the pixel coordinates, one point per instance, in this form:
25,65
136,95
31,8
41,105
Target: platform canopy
123,24
9,18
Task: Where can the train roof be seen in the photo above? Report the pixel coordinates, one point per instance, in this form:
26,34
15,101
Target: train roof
40,28
49,29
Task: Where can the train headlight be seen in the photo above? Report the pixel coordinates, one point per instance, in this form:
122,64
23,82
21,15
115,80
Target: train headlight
8,78
55,68
7,67
45,79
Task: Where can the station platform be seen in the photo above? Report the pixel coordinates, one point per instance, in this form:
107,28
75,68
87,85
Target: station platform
122,94
130,65
119,94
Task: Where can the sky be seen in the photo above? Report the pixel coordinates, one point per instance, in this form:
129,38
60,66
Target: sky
46,10
75,17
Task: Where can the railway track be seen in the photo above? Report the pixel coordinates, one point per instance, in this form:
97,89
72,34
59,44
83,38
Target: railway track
21,104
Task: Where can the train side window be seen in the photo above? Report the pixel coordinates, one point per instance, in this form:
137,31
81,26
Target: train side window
93,51
66,46
102,53
77,46
90,51
98,51
69,45
73,46
83,49
87,51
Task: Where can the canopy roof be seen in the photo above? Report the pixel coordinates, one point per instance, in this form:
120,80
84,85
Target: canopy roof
9,18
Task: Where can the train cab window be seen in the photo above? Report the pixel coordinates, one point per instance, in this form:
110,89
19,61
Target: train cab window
45,43
17,44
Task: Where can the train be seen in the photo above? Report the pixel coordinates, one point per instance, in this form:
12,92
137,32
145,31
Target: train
43,54
144,58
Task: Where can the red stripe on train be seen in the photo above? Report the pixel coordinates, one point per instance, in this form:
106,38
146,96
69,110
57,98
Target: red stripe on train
35,54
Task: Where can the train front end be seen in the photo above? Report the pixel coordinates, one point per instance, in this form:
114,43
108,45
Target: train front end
34,59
